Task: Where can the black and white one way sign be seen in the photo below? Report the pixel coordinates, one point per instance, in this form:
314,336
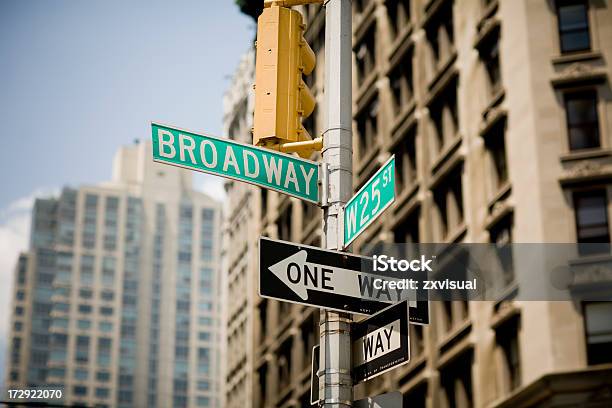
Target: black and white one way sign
330,279
380,342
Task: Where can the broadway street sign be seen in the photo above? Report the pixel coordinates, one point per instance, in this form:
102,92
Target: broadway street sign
238,161
370,201
380,342
331,279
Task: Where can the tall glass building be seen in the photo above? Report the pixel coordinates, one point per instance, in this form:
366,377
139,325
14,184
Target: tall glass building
117,299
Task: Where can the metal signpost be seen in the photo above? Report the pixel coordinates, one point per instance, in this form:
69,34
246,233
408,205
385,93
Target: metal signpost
332,280
338,282
370,201
335,382
227,158
380,342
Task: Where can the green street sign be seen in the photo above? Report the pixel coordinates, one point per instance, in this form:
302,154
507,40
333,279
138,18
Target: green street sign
370,201
238,161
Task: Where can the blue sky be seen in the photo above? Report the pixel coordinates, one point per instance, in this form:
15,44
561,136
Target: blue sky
78,79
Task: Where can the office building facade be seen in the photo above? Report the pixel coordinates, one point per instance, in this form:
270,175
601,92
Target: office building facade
117,298
499,115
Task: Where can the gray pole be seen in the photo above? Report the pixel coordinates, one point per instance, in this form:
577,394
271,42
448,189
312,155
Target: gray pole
335,383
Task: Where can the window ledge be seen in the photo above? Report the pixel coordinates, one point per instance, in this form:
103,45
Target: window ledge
586,154
405,203
447,152
507,294
492,118
400,45
364,22
367,161
461,346
457,233
413,371
585,172
576,57
502,193
487,13
431,9
403,122
442,77
578,74
494,101
310,228
489,27
590,259
499,210
366,91
505,315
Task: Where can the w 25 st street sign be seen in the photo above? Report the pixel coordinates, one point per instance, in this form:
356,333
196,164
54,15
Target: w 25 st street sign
242,162
370,201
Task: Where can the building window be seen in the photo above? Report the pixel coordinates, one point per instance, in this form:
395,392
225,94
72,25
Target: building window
87,269
203,385
102,393
84,324
582,120
359,6
448,198
284,364
262,376
591,212
110,223
598,332
444,119
417,344
416,397
408,230
456,383
103,376
82,349
88,237
367,127
365,55
495,146
263,317
105,327
500,236
402,86
284,224
509,352
489,55
440,36
573,25
399,15
405,162
81,374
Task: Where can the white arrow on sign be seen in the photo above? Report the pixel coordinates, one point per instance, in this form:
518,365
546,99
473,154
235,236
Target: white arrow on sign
300,275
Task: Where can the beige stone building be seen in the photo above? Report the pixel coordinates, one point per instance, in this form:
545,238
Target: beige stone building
117,299
499,113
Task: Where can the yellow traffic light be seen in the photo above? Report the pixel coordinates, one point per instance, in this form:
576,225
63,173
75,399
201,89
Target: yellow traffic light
282,99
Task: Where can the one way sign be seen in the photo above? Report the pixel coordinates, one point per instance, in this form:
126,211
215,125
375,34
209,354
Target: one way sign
330,279
380,342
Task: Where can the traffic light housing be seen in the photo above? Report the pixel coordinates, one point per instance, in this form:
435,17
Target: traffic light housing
282,99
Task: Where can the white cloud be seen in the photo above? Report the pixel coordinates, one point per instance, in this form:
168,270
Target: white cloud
14,235
211,185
